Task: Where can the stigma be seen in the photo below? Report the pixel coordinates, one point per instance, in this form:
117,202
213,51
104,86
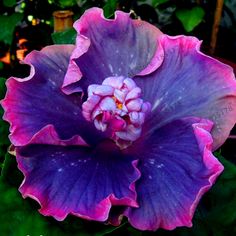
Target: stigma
116,105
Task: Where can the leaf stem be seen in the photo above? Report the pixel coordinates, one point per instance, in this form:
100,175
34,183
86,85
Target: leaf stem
215,28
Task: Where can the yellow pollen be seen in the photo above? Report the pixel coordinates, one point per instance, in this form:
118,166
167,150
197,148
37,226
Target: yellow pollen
118,104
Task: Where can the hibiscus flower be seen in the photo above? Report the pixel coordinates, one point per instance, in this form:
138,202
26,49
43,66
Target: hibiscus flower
127,117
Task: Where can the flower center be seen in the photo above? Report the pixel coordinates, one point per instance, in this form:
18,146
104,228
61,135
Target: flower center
116,105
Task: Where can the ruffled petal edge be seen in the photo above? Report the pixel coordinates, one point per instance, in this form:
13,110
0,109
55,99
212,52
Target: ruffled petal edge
74,74
103,208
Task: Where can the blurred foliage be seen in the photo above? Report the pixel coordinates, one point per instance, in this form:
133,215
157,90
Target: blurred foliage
64,3
17,217
4,127
156,3
65,37
9,3
8,24
110,7
215,215
190,18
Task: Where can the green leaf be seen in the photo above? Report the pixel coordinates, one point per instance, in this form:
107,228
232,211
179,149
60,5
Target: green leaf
190,18
64,3
1,66
9,3
4,127
223,196
2,87
156,3
8,24
17,217
109,8
65,37
219,203
229,14
4,141
10,173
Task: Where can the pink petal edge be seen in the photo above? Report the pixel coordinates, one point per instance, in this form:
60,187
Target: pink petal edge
103,208
205,141
229,77
74,74
21,139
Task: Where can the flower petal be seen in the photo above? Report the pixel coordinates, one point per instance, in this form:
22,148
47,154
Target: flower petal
110,48
177,168
69,179
189,83
36,101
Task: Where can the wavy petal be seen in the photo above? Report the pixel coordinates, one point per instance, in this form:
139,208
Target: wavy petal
189,83
69,179
177,168
36,101
110,48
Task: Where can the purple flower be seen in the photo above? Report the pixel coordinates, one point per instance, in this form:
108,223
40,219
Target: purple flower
128,117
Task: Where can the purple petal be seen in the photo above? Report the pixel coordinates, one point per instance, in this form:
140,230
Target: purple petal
90,105
107,104
69,179
120,95
131,134
177,168
189,83
111,48
104,90
116,82
134,93
135,105
91,89
36,101
130,84
137,117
